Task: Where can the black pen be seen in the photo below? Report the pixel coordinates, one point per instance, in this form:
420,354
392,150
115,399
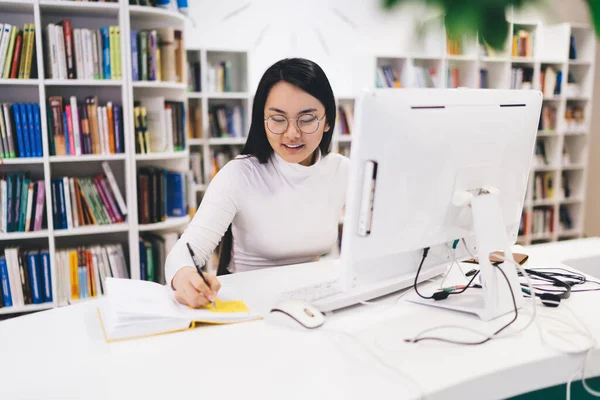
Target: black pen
199,269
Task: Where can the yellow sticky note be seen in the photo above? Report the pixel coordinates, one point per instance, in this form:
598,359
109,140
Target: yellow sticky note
228,306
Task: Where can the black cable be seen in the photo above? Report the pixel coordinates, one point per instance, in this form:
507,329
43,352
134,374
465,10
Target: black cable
425,252
482,341
437,295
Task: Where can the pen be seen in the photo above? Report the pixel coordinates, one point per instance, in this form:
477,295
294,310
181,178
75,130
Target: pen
197,265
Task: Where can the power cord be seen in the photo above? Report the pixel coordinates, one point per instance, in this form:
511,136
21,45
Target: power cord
439,339
497,334
440,295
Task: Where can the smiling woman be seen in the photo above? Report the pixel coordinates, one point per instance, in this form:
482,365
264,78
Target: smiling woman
280,201
295,142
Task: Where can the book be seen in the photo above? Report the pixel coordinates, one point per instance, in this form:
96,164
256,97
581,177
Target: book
136,309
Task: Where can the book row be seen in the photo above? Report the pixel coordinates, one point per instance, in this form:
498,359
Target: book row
82,271
76,128
22,204
521,78
153,255
86,201
25,277
387,77
523,43
17,52
161,194
160,125
226,121
219,77
80,53
158,55
20,130
543,186
345,118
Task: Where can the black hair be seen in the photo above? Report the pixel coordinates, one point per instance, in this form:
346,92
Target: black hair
304,74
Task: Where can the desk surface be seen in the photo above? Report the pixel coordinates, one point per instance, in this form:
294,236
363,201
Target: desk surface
60,354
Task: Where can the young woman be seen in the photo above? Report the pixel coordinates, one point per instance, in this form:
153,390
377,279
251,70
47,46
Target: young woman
280,201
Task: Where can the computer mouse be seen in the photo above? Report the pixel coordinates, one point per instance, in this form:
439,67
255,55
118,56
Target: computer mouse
301,313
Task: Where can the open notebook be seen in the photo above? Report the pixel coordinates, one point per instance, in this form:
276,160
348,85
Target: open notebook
136,308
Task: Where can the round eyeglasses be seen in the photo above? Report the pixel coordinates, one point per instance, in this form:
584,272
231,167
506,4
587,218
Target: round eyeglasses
306,123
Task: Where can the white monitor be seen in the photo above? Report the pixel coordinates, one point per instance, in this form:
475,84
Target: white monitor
427,145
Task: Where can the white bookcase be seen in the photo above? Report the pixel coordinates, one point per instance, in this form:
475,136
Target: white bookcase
89,15
239,95
550,48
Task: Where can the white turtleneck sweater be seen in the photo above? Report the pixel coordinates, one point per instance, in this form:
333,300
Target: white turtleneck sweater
282,213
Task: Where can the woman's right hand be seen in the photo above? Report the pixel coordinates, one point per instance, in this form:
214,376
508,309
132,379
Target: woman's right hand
191,290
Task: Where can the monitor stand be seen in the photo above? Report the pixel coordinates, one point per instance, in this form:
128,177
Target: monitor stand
494,299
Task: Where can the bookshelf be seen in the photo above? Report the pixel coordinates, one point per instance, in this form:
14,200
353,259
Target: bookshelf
123,91
537,56
218,79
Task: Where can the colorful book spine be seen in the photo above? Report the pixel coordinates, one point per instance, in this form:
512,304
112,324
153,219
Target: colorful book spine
10,52
14,69
119,73
38,130
117,123
106,53
66,134
47,275
35,282
31,128
29,54
4,280
25,130
24,48
39,206
4,43
135,71
22,210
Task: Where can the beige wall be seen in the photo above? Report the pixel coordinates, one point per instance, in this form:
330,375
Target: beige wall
577,11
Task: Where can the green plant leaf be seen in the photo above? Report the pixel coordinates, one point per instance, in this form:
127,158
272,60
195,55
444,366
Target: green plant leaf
486,17
594,6
495,31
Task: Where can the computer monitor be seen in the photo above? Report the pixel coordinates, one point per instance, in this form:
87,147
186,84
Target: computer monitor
414,153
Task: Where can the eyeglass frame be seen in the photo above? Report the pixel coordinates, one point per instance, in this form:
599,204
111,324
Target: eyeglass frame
297,126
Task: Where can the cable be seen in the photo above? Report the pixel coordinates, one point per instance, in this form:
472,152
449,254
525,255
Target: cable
425,253
420,339
437,295
499,335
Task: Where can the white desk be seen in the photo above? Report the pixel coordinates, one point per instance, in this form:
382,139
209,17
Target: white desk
60,354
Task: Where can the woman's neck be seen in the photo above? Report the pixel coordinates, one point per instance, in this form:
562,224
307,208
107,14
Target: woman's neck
310,160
